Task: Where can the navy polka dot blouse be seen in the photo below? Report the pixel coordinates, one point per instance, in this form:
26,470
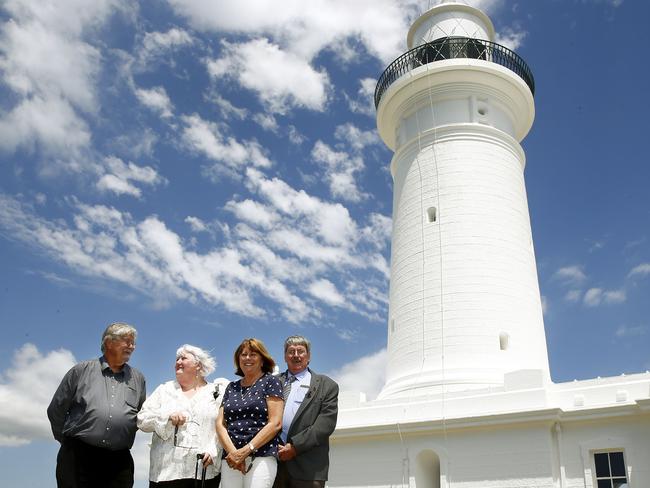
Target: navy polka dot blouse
245,411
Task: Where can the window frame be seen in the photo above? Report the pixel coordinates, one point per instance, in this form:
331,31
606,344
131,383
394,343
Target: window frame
600,445
611,476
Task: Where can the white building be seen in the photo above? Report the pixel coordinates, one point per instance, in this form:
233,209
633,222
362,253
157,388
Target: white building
468,399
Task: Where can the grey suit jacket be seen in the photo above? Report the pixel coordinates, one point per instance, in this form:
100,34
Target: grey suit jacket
311,428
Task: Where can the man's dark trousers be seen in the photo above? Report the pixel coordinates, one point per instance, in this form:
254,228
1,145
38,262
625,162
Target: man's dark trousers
80,465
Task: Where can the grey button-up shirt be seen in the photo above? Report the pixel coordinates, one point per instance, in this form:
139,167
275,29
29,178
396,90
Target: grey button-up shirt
97,406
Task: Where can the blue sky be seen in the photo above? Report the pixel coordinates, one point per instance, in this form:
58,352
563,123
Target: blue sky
210,171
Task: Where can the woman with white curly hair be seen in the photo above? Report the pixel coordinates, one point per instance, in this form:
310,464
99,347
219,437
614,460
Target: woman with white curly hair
181,414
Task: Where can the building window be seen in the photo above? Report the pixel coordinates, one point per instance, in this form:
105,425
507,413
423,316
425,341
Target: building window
431,214
504,339
610,470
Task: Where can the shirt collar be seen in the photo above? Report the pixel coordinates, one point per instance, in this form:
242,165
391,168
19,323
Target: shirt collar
103,363
298,376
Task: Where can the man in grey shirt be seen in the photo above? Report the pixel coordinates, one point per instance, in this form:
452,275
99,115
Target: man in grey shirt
93,415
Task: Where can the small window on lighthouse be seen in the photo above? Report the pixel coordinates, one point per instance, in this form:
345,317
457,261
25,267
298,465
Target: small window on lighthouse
392,325
503,341
431,214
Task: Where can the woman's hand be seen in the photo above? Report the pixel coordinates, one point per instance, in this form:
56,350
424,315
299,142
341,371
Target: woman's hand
207,460
238,457
178,418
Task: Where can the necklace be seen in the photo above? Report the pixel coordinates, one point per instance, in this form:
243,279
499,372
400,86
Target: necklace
245,390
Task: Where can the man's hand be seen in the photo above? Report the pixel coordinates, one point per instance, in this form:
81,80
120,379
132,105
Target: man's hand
287,452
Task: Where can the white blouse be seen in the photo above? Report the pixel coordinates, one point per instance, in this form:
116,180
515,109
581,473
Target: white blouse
173,453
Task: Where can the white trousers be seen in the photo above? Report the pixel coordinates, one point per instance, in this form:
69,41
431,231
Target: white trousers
261,474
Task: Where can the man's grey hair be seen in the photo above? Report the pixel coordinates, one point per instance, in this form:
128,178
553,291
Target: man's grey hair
116,331
297,340
202,357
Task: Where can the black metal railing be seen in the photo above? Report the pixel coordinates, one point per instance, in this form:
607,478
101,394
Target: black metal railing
451,48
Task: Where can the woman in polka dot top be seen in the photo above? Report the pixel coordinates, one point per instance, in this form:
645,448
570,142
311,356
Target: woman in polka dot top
250,419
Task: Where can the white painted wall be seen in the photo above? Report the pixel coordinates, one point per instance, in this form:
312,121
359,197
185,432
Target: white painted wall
517,455
460,282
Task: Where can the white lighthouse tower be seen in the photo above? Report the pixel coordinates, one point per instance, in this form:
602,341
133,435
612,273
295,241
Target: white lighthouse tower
468,400
465,306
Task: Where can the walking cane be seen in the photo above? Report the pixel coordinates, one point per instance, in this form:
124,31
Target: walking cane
199,460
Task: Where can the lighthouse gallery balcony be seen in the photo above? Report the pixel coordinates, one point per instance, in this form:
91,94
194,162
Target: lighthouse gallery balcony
453,48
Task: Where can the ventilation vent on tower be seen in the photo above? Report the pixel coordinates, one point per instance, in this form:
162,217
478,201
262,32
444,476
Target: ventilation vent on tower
504,339
431,214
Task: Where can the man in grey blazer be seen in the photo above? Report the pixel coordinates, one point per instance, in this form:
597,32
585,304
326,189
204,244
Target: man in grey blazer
310,411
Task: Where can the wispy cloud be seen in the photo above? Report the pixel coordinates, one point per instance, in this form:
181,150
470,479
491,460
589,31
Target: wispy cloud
211,139
364,100
121,178
640,270
157,46
570,275
631,331
597,296
156,99
573,295
339,168
282,249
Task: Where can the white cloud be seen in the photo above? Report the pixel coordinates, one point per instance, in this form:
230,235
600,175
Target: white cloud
120,177
280,79
326,291
356,138
49,124
332,222
570,275
266,121
26,389
280,257
614,296
137,144
307,28
253,212
573,296
597,296
642,269
593,297
156,99
47,61
633,331
364,103
295,137
207,138
157,45
196,224
371,369
340,169
379,231
511,38
226,108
